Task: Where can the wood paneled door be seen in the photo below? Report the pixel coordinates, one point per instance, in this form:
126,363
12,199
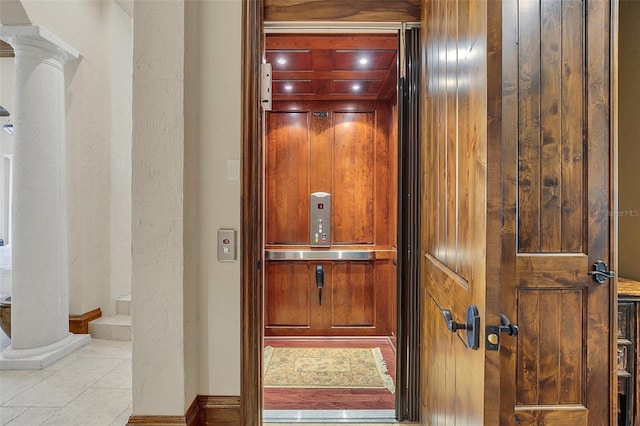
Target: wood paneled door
557,222
517,209
460,209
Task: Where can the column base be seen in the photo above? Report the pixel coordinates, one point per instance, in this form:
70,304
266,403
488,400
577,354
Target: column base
39,358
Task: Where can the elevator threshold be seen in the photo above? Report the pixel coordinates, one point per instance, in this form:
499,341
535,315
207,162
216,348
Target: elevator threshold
329,416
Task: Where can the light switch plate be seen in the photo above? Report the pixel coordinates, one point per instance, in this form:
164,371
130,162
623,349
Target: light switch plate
226,245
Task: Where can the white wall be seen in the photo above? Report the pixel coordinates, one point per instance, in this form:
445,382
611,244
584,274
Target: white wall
120,46
98,147
220,137
158,209
186,126
81,25
6,148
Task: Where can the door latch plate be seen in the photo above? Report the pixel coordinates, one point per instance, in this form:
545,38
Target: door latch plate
493,337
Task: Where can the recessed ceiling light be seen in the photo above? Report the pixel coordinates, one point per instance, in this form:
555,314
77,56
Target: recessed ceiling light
356,87
363,61
282,61
288,87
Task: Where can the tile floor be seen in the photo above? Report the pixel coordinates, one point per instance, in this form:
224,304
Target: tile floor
92,383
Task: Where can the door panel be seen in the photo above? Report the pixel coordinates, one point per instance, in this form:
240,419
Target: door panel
354,168
287,296
461,197
287,189
356,298
556,128
354,295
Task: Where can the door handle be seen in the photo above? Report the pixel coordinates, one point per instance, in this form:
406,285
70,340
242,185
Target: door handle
472,325
493,332
507,327
319,282
601,272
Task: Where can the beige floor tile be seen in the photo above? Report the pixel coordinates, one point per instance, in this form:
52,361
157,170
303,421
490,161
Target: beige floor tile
9,413
63,386
123,418
13,382
33,416
118,378
95,407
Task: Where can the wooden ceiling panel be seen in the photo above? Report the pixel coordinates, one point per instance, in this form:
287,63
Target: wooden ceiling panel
326,67
364,59
292,87
356,87
283,60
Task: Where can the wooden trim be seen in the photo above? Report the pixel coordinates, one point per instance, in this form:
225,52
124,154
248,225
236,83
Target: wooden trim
157,420
205,410
79,324
193,416
613,203
6,51
340,10
219,411
251,229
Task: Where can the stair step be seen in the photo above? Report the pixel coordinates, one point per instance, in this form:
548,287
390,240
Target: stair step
123,305
117,327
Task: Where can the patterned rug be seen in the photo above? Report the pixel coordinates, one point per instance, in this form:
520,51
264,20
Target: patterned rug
326,368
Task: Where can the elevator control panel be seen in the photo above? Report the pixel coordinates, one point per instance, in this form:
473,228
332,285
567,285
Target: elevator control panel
320,219
226,245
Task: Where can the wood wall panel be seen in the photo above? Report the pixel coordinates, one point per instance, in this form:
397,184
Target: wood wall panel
354,294
551,114
287,168
348,153
354,179
340,10
357,298
287,295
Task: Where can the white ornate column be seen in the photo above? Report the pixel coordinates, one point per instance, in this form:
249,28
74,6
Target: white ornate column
39,288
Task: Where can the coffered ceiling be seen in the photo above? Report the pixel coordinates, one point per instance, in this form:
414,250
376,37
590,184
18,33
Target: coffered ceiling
333,67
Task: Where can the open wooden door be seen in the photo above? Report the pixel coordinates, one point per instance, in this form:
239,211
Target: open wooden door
461,205
540,71
557,221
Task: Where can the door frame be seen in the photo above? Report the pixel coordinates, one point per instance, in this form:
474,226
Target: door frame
613,201
252,240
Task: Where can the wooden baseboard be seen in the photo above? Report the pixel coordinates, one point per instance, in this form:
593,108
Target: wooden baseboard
157,420
79,324
219,410
204,411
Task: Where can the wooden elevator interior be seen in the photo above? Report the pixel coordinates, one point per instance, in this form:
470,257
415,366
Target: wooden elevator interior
332,129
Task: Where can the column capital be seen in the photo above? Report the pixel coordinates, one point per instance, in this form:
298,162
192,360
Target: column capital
25,36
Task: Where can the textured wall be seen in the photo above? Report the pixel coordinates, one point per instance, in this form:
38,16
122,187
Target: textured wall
6,148
81,24
119,27
629,141
158,208
220,132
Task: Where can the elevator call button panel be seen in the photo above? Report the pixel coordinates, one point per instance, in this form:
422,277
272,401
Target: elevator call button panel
320,219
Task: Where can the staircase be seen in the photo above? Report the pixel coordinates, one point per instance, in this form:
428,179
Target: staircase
116,327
